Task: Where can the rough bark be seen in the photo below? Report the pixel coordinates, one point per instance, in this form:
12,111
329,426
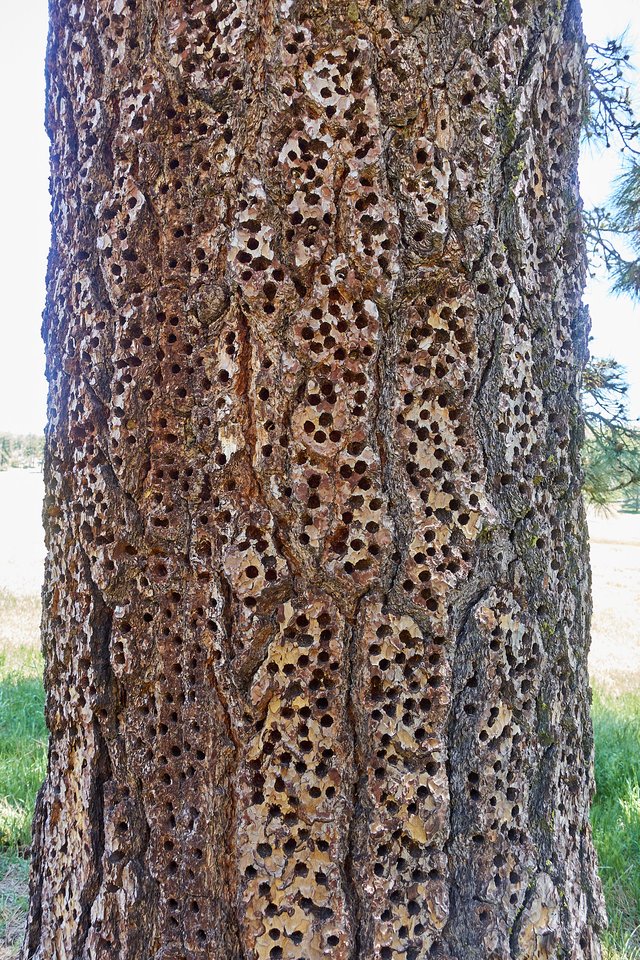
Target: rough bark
317,588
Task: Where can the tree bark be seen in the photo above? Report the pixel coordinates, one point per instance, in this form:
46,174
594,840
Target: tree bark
317,589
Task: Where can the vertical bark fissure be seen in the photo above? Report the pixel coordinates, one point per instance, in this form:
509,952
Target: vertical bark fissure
356,809
234,733
100,628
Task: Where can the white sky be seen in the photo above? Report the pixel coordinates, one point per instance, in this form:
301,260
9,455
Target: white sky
24,206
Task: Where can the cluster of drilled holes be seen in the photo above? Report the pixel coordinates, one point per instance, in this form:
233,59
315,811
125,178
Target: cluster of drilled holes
304,159
88,140
495,786
474,82
428,190
337,82
438,367
67,835
112,31
406,701
357,535
331,399
542,177
136,107
310,650
254,564
173,363
421,438
410,875
406,689
253,243
520,412
174,744
319,424
209,47
334,329
91,506
126,272
377,240
294,776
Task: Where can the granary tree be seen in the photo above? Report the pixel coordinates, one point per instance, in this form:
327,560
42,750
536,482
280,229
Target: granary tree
316,606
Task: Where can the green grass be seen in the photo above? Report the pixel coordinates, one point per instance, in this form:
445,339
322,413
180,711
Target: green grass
22,744
22,768
616,819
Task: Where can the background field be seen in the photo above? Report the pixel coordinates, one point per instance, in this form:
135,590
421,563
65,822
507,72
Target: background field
615,671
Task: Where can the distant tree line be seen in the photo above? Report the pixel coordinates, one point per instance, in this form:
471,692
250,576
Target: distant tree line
21,450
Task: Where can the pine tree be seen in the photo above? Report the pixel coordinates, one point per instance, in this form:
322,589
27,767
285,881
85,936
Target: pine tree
317,592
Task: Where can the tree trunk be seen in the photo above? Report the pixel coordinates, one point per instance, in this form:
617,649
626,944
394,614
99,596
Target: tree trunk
317,588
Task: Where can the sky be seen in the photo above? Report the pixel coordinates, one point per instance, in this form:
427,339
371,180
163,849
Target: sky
24,206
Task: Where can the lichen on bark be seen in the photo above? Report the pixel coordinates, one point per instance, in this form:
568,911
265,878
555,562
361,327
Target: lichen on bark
316,606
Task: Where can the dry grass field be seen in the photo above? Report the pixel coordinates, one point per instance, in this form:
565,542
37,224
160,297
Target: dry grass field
615,563
614,665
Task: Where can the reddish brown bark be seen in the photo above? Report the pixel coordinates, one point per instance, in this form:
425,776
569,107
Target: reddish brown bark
316,601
